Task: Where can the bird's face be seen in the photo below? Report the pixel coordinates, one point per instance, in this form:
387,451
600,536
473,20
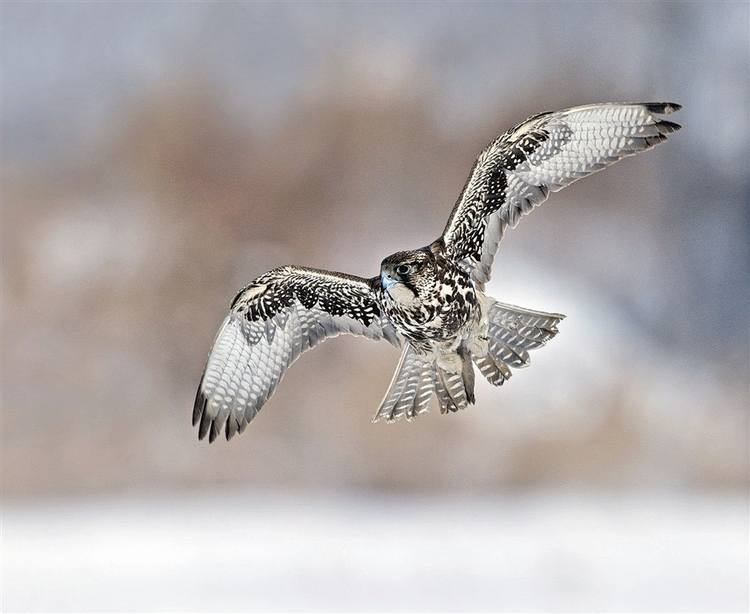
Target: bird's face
406,276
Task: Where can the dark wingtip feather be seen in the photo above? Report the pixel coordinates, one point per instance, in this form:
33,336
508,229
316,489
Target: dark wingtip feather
233,426
215,430
662,107
200,404
652,141
666,127
205,425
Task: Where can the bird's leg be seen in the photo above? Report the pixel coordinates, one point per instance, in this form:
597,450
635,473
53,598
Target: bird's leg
467,372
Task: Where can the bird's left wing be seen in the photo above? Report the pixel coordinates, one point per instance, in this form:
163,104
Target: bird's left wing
271,322
543,154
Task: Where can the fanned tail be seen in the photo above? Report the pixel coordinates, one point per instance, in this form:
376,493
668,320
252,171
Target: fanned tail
512,332
415,381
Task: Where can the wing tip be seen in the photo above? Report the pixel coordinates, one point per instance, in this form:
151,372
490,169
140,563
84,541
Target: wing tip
662,108
664,126
205,424
199,407
215,430
233,426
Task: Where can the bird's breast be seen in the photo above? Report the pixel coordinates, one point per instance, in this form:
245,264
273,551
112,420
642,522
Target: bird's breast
439,315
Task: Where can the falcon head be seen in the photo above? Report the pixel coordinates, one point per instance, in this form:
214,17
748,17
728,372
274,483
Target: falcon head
406,276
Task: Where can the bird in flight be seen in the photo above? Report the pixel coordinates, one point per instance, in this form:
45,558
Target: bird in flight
430,300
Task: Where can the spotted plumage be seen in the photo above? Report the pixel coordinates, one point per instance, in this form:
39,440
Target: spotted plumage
432,298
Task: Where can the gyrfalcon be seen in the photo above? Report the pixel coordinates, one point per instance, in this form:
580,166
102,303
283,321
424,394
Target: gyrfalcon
429,300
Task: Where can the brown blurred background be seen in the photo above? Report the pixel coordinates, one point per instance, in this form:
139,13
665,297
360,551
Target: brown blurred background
158,157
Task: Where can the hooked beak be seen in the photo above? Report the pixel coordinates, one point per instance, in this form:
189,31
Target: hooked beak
386,281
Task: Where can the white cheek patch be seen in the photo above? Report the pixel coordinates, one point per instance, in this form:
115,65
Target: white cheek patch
401,294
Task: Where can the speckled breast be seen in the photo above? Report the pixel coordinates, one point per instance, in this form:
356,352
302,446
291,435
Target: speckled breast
440,315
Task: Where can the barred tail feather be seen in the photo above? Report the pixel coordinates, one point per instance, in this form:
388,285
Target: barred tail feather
451,391
493,369
446,401
411,388
512,332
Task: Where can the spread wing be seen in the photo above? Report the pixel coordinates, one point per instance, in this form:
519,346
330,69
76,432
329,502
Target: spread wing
516,172
271,322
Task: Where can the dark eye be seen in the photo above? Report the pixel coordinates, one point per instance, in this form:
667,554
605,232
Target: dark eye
403,269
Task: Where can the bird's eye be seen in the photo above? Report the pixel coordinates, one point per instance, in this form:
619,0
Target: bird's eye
403,269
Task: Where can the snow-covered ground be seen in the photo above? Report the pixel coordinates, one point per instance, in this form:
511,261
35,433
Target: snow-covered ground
276,552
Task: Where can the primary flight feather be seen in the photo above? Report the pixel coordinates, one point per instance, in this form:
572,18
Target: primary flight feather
429,300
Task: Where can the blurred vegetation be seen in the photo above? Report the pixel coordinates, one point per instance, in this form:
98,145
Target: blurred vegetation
121,255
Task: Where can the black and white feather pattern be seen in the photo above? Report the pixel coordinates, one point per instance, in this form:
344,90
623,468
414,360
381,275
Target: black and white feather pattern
431,297
512,332
272,321
545,153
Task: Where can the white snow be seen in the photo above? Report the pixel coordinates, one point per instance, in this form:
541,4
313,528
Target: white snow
371,552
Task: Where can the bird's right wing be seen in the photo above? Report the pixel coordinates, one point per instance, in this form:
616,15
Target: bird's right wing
272,321
543,154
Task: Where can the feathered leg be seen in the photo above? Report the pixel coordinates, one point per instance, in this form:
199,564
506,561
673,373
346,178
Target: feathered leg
467,373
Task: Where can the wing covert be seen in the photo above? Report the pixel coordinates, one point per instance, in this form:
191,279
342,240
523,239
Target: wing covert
272,321
547,152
